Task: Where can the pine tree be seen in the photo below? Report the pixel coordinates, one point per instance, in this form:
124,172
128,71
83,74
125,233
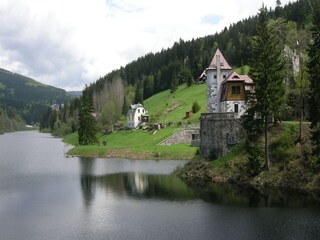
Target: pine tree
87,130
174,83
314,76
138,95
301,93
125,106
267,69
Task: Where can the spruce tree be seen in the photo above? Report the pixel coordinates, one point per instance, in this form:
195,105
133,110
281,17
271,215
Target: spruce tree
125,106
314,76
267,70
87,130
138,95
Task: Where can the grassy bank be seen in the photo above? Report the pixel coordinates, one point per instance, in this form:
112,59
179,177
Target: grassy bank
130,144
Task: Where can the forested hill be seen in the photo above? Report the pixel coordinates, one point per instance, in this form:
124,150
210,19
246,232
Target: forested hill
186,60
20,88
24,100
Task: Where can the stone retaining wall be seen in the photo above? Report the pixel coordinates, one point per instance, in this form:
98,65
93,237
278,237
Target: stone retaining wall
183,136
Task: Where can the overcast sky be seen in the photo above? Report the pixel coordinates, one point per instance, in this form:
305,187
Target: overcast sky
70,43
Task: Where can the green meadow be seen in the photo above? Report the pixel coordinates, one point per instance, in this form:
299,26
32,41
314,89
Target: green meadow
165,107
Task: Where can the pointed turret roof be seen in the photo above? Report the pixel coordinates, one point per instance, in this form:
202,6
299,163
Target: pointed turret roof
223,62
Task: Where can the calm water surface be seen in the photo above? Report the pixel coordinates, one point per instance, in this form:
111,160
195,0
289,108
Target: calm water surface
44,195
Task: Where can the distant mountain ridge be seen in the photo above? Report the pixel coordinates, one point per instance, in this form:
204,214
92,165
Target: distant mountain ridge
75,93
25,97
17,87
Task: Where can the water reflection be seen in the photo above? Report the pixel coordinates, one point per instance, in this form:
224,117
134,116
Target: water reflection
226,194
167,187
136,185
44,195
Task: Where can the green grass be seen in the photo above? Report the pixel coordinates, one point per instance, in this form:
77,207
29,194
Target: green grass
236,154
172,107
137,144
163,107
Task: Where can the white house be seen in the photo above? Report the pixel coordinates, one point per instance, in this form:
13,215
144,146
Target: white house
136,116
226,90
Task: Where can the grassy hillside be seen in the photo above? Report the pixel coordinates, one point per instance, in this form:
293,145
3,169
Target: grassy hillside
172,107
163,107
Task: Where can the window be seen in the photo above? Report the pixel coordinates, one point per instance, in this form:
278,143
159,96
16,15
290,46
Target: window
235,89
215,76
236,108
142,110
224,76
139,119
138,110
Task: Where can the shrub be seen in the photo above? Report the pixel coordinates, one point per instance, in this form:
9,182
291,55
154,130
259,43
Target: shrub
195,107
281,148
255,156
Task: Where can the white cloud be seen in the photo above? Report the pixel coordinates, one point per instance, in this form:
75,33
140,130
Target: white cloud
68,43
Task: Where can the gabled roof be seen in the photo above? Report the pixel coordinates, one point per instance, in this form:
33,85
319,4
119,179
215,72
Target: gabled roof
233,77
135,106
223,62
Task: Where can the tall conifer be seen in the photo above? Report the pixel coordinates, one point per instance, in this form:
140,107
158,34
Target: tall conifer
87,130
314,76
267,70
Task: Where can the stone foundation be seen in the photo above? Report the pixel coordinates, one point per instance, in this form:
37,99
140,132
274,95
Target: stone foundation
218,133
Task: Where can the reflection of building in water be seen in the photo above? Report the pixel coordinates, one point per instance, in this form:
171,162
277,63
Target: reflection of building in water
138,183
132,184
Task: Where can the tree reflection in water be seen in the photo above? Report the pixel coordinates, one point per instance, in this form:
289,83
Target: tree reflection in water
171,188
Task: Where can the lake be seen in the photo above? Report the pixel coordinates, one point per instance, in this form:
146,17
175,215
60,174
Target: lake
46,195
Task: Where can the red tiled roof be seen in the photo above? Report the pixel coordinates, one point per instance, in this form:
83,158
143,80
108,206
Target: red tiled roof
238,77
223,62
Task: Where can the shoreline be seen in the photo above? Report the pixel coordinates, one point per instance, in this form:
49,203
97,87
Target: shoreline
201,173
130,154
